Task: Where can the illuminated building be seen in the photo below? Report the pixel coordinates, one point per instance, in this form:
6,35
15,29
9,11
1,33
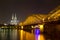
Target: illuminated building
14,20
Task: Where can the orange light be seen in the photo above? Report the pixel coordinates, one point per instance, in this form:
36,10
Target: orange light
41,27
41,37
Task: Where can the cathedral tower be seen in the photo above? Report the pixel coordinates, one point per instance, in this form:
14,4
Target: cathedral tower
14,20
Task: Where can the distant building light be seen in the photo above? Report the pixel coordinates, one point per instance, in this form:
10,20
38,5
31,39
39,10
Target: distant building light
5,24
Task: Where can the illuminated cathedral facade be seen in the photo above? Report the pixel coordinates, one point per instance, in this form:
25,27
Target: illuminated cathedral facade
14,20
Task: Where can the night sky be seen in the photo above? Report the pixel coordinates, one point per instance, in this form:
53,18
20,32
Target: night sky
24,8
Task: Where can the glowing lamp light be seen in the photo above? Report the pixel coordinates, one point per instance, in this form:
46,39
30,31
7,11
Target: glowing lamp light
21,27
32,26
41,27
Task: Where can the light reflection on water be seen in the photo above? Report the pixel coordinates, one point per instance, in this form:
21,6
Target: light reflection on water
8,34
38,36
14,34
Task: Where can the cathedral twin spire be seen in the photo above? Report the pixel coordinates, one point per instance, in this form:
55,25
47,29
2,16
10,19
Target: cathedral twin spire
14,16
14,20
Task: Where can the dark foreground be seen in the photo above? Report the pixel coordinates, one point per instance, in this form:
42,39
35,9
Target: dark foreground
15,34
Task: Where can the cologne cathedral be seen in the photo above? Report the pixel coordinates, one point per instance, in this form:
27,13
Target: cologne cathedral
14,20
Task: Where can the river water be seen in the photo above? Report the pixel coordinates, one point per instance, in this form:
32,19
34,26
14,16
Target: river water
15,34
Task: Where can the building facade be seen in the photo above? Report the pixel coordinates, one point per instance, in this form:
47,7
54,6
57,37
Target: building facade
14,20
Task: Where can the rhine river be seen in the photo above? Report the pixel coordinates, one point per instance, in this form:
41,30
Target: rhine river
15,34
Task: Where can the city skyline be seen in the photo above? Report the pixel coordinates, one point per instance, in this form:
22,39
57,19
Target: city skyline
25,8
